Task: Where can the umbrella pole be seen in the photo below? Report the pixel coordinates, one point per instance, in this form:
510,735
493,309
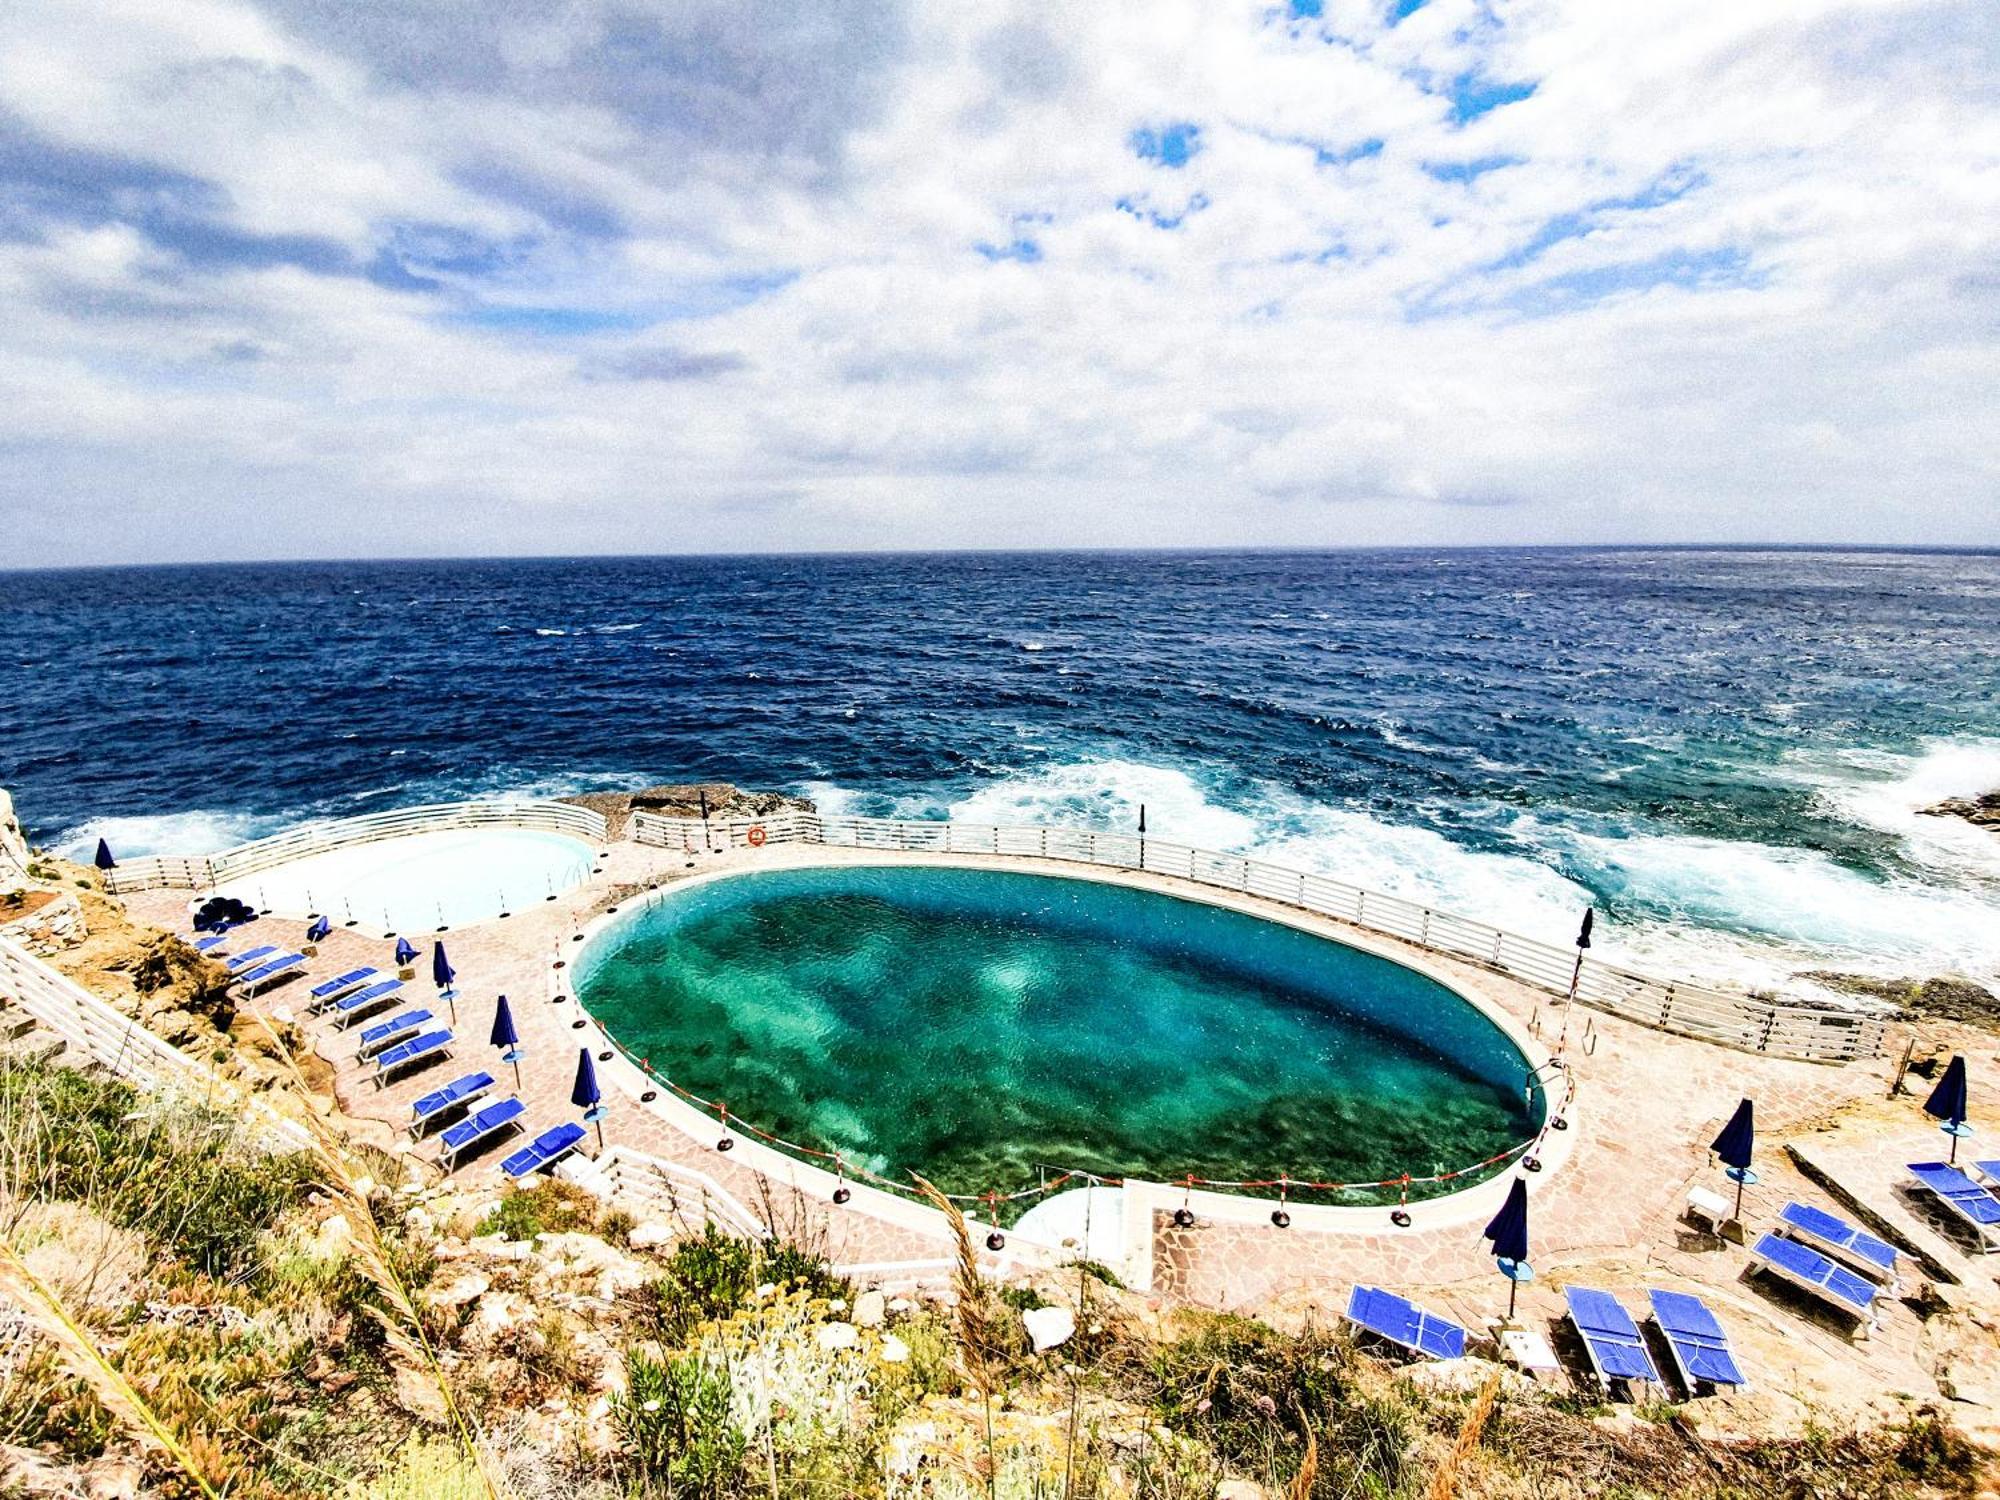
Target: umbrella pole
517,1078
600,1133
1513,1291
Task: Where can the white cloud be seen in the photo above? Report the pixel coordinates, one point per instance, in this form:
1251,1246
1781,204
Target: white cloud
622,275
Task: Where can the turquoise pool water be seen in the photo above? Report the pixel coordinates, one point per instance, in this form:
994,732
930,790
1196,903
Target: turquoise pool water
980,1026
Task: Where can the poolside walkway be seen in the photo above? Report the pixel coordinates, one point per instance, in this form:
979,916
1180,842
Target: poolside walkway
1646,1105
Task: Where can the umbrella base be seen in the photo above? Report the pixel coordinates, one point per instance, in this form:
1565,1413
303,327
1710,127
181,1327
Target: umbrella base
1732,1231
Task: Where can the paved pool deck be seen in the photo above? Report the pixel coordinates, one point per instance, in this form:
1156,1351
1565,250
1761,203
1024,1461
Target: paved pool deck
1609,1215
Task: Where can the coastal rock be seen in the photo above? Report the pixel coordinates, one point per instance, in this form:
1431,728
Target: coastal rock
1983,810
684,800
1945,997
13,843
650,1235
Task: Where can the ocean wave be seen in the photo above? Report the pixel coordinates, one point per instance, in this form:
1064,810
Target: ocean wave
196,831
1886,791
1727,912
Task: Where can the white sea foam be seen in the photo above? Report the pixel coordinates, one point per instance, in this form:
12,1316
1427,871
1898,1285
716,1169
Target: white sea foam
1728,912
1885,792
197,831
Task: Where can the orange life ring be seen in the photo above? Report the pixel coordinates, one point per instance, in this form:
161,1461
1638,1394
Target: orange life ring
755,837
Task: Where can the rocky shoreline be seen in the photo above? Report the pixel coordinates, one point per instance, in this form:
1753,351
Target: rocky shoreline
725,800
1982,811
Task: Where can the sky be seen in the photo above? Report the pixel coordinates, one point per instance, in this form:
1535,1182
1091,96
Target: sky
301,278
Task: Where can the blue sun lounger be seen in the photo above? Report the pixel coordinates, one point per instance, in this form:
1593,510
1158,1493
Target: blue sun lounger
383,1033
210,943
1965,1199
415,1050
438,1103
545,1150
1699,1347
349,1009
250,956
1403,1323
1809,1271
1610,1338
333,989
1873,1258
1987,1172
474,1129
270,970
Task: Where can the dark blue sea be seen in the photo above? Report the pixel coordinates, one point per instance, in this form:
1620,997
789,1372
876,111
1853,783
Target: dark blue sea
1724,750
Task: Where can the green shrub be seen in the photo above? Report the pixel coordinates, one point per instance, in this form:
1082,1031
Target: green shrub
182,1175
552,1208
673,1425
710,1276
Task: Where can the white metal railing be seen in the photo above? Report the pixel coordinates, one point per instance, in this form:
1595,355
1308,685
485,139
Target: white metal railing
205,871
1786,1029
653,1183
122,1045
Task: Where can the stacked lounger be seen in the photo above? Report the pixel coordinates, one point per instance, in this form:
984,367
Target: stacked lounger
476,1128
1965,1200
333,989
1405,1324
438,1103
1808,1270
1695,1340
364,1003
385,1033
545,1150
270,971
1610,1338
1834,1236
416,1049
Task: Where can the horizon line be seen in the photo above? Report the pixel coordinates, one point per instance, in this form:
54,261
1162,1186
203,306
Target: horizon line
1962,549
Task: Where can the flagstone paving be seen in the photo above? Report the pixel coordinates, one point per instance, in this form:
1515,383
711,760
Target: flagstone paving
1646,1105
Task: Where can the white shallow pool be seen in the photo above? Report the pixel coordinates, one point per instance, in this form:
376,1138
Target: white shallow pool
423,880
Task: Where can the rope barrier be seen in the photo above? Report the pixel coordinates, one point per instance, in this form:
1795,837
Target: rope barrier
1284,1183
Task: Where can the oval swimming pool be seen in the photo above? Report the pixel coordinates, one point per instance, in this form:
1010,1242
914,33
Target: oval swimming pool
983,1026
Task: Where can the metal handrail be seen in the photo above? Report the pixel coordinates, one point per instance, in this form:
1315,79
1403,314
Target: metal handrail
205,871
1780,1028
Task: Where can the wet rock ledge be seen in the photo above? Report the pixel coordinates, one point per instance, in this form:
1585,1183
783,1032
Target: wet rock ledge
683,800
1983,810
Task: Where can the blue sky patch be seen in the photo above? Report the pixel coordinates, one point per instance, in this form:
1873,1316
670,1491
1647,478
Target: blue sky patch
1169,145
1468,171
1020,248
1307,10
1160,218
1404,9
1689,270
556,322
1472,96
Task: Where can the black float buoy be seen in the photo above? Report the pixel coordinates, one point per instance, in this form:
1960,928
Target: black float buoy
727,1143
1400,1218
1280,1218
577,1024
604,1056
1183,1218
841,1194
649,1096
996,1241
1531,1164
1558,1123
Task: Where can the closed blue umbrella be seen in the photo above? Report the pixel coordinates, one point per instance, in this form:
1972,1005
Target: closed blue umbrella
1948,1103
1509,1234
507,1038
406,953
442,972
104,859
1734,1146
586,1095
317,931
